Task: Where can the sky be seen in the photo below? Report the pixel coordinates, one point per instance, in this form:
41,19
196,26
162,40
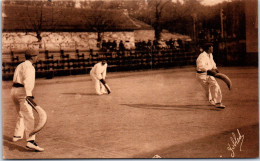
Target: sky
208,2
212,2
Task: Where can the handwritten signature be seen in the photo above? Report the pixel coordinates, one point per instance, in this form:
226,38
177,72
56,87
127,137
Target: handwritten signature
235,141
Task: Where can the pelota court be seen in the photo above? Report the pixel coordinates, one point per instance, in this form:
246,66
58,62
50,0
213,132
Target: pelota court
154,112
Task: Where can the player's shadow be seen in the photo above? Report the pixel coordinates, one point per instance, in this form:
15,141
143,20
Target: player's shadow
7,142
173,107
82,94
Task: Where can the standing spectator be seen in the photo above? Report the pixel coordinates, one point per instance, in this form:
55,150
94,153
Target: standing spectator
171,44
110,45
155,44
143,45
104,45
114,45
179,41
121,46
176,45
149,44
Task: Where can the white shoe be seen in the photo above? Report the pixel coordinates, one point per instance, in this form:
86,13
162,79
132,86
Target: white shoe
212,102
34,146
16,138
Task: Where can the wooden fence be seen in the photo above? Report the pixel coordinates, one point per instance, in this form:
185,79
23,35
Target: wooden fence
60,63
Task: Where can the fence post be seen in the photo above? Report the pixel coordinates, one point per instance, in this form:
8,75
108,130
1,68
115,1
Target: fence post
46,52
50,72
151,59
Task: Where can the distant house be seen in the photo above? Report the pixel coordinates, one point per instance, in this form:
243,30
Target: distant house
53,28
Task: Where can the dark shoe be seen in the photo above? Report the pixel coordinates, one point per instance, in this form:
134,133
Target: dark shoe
31,145
220,105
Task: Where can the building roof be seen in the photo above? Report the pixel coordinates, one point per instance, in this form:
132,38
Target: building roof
31,18
141,25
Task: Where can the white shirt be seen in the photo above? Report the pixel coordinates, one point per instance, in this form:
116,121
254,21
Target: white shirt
99,70
205,62
25,74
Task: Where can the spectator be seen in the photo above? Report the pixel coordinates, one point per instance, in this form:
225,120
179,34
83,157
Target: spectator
149,44
121,46
170,43
180,43
155,44
109,45
114,45
176,45
104,45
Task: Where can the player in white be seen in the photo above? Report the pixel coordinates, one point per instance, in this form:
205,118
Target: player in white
205,64
98,73
23,84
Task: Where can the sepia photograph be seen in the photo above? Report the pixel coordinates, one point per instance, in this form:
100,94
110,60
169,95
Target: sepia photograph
130,79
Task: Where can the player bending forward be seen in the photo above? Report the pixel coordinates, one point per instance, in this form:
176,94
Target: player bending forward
23,84
98,75
205,65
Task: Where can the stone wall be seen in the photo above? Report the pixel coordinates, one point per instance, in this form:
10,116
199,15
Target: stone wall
17,41
144,35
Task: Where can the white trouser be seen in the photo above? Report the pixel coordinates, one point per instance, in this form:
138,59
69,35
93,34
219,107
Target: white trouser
211,87
25,119
99,87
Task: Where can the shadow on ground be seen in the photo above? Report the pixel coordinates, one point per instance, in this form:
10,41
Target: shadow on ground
173,107
86,94
7,142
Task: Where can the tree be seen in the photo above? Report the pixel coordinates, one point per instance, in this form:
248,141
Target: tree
99,21
157,7
101,17
39,16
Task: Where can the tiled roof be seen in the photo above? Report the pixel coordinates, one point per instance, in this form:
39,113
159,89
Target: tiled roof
142,25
